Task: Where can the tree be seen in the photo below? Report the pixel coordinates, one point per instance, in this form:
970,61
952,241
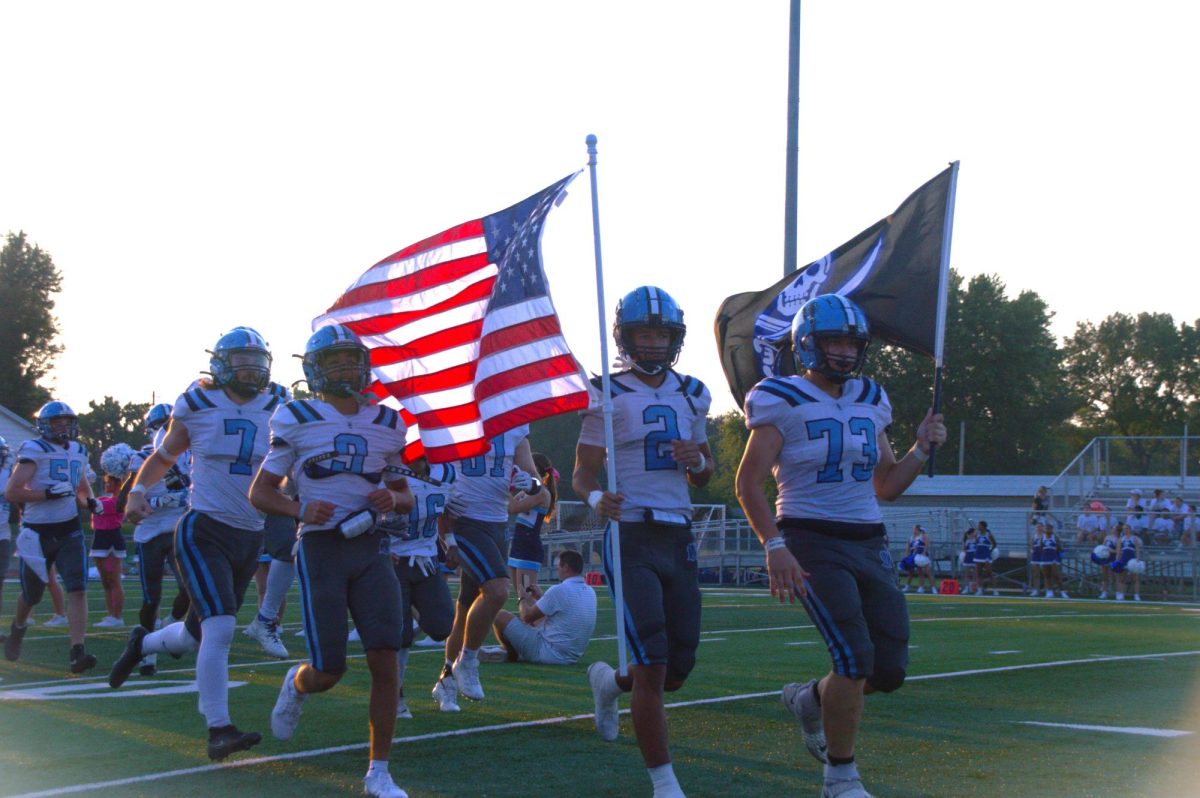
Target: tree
1136,376
28,278
111,422
1003,376
556,437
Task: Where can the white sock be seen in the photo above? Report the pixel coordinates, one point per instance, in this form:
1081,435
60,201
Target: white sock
377,766
279,582
663,779
468,654
401,663
212,669
841,772
173,639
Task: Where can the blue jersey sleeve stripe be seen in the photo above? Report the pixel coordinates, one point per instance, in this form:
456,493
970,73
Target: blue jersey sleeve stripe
202,400
309,410
191,403
296,411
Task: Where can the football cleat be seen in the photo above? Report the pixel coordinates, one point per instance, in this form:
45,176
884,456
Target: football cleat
267,635
380,784
80,660
402,710
286,715
445,692
225,740
844,788
129,658
608,719
801,702
55,620
466,678
12,645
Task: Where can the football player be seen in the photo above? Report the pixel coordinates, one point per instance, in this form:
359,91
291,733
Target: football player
822,434
7,520
414,546
658,421
478,514
154,535
224,422
336,448
50,480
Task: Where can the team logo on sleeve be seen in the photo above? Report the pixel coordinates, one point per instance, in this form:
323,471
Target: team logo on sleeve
885,559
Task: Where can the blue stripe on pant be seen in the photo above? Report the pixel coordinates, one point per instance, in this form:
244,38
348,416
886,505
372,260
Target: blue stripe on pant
839,649
631,636
200,582
310,620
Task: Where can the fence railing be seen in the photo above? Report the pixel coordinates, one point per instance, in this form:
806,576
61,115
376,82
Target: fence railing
1107,461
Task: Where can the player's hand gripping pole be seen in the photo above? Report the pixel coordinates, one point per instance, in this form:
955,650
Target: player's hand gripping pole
614,529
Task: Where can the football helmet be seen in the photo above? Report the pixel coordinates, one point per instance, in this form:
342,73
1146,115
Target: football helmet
156,417
828,316
344,379
55,410
241,362
649,306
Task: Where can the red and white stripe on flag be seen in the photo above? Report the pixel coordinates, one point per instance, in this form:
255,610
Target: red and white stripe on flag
462,331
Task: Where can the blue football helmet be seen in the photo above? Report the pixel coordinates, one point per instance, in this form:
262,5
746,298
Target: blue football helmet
157,417
55,410
252,371
829,316
648,306
338,379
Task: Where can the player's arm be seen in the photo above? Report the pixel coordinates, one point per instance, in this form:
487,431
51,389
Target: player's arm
527,501
893,477
399,496
123,493
784,573
589,460
174,443
266,494
447,540
531,613
18,491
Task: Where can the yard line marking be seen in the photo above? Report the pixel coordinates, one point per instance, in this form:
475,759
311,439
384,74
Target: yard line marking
1114,729
803,643
1007,651
241,763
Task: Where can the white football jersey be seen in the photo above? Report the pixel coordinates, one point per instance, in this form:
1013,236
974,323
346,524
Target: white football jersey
830,446
5,507
228,443
415,534
334,458
645,421
483,481
164,519
55,463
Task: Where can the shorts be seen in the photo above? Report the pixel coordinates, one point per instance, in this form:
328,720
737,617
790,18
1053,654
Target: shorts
279,539
855,605
62,547
153,555
216,562
481,549
108,542
659,579
339,575
526,550
430,595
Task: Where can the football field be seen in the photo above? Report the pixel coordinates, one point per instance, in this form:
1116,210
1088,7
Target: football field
1005,697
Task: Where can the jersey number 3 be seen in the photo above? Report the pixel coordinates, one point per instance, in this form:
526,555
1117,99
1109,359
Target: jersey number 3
831,430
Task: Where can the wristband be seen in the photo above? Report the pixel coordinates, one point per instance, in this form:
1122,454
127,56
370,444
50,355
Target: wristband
920,455
700,468
777,542
594,498
138,488
449,539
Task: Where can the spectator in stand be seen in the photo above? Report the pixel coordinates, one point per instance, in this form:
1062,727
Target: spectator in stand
1085,527
1128,561
1052,564
1191,527
967,558
1161,524
1041,506
1139,522
1035,559
1177,511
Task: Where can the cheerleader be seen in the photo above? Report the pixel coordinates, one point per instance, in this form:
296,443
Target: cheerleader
1128,562
967,558
1052,563
985,547
1035,560
916,561
532,510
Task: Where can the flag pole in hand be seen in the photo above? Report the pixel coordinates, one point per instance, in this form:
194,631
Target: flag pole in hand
939,341
613,529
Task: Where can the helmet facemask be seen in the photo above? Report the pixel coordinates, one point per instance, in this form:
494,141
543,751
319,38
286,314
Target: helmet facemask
245,371
343,369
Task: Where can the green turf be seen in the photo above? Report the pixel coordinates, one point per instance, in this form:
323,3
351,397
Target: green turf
953,735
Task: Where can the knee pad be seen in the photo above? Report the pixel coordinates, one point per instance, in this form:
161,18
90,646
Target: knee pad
887,681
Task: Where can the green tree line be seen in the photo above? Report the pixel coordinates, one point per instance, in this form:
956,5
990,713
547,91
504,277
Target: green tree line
1028,402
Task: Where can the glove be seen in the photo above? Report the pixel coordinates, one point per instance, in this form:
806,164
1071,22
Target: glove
427,566
521,480
172,499
59,490
96,506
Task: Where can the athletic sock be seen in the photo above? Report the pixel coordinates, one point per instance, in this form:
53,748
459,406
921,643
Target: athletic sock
377,766
279,582
469,654
401,663
173,639
663,778
840,769
212,669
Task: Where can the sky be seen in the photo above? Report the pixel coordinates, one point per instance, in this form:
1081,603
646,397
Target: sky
193,167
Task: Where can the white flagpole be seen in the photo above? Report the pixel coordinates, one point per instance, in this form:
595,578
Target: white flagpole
606,403
939,340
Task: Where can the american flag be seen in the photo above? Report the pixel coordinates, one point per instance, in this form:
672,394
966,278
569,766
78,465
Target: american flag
462,330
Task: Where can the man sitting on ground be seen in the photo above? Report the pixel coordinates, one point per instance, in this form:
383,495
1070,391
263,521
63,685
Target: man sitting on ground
554,627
